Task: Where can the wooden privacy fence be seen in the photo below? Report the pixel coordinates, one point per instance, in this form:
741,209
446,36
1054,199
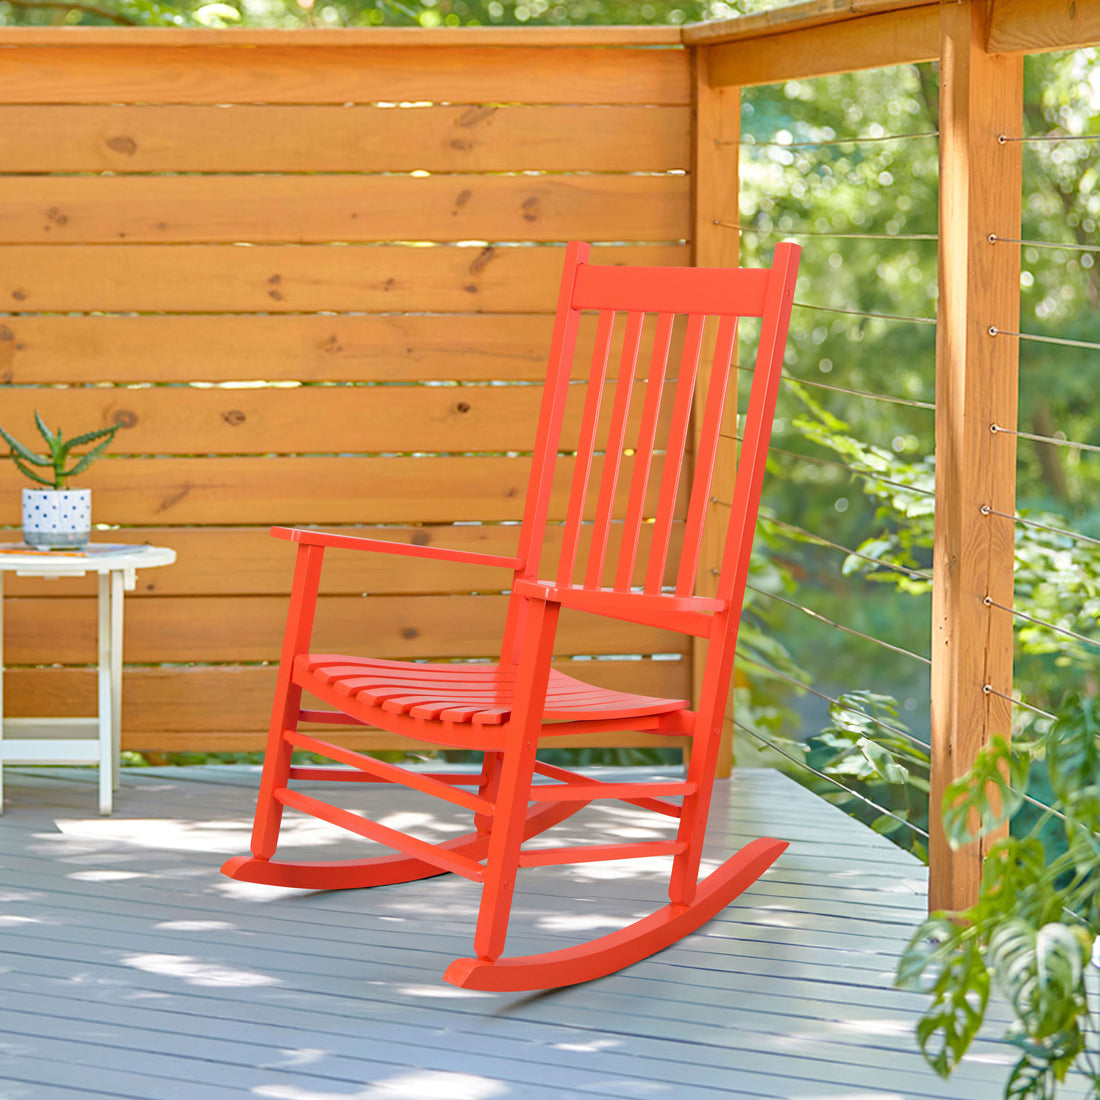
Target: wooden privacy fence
260,254
369,223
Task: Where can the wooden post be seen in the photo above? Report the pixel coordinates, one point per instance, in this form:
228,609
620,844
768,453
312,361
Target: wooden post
715,193
981,97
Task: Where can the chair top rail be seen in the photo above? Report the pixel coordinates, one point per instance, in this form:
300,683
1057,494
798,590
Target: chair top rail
691,290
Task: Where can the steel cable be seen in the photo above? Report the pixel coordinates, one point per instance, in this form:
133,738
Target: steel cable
828,778
839,626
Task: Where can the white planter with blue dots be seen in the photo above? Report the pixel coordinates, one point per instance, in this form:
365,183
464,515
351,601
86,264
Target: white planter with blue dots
57,517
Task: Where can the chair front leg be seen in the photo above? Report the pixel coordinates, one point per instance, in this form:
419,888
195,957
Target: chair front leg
288,701
515,774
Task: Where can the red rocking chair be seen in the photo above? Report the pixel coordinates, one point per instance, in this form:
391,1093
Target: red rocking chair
507,711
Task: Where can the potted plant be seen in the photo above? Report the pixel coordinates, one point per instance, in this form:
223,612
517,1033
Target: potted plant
57,516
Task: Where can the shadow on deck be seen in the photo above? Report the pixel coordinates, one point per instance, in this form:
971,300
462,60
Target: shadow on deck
130,968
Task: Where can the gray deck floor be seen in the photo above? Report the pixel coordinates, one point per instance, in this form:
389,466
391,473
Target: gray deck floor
130,968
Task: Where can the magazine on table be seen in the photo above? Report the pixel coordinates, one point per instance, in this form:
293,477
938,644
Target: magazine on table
91,550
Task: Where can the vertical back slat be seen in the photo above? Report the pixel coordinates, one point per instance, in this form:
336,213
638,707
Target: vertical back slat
586,445
613,451
713,413
643,451
674,456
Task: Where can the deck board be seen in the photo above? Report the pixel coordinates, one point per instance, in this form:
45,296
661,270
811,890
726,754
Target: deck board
130,968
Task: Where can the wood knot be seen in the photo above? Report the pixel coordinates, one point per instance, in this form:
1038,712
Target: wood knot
482,258
421,538
463,407
410,632
234,417
473,115
124,418
122,144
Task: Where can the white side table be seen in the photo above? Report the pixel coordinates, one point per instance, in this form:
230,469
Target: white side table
95,740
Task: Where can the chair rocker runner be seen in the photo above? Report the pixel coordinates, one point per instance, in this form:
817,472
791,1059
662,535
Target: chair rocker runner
631,539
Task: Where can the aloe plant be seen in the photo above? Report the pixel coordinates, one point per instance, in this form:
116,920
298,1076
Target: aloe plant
60,451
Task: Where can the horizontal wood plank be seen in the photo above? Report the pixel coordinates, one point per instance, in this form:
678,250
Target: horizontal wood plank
486,138
212,561
310,420
217,348
294,278
303,209
466,347
212,629
348,74
902,37
181,702
1032,26
312,490
390,37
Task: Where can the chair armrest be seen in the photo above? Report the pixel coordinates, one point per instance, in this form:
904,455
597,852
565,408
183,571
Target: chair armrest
686,614
382,546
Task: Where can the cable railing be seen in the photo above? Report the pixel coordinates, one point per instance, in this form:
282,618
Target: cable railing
835,235
833,701
867,395
868,475
860,559
826,143
1025,522
838,626
879,563
1064,341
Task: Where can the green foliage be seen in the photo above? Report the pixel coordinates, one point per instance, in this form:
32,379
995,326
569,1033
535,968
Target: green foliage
868,749
368,13
946,964
990,793
60,450
1033,932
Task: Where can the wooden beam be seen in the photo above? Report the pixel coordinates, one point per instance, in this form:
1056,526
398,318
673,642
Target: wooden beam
976,386
715,194
897,37
793,17
1033,26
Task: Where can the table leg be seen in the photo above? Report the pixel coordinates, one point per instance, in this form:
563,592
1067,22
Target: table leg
106,715
116,675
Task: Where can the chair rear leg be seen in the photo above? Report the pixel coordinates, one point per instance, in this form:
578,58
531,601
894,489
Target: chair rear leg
693,820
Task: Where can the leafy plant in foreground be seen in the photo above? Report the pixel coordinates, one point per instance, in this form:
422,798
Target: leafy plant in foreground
1032,935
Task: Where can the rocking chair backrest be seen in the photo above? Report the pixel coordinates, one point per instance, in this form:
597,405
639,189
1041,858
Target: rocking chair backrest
627,491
